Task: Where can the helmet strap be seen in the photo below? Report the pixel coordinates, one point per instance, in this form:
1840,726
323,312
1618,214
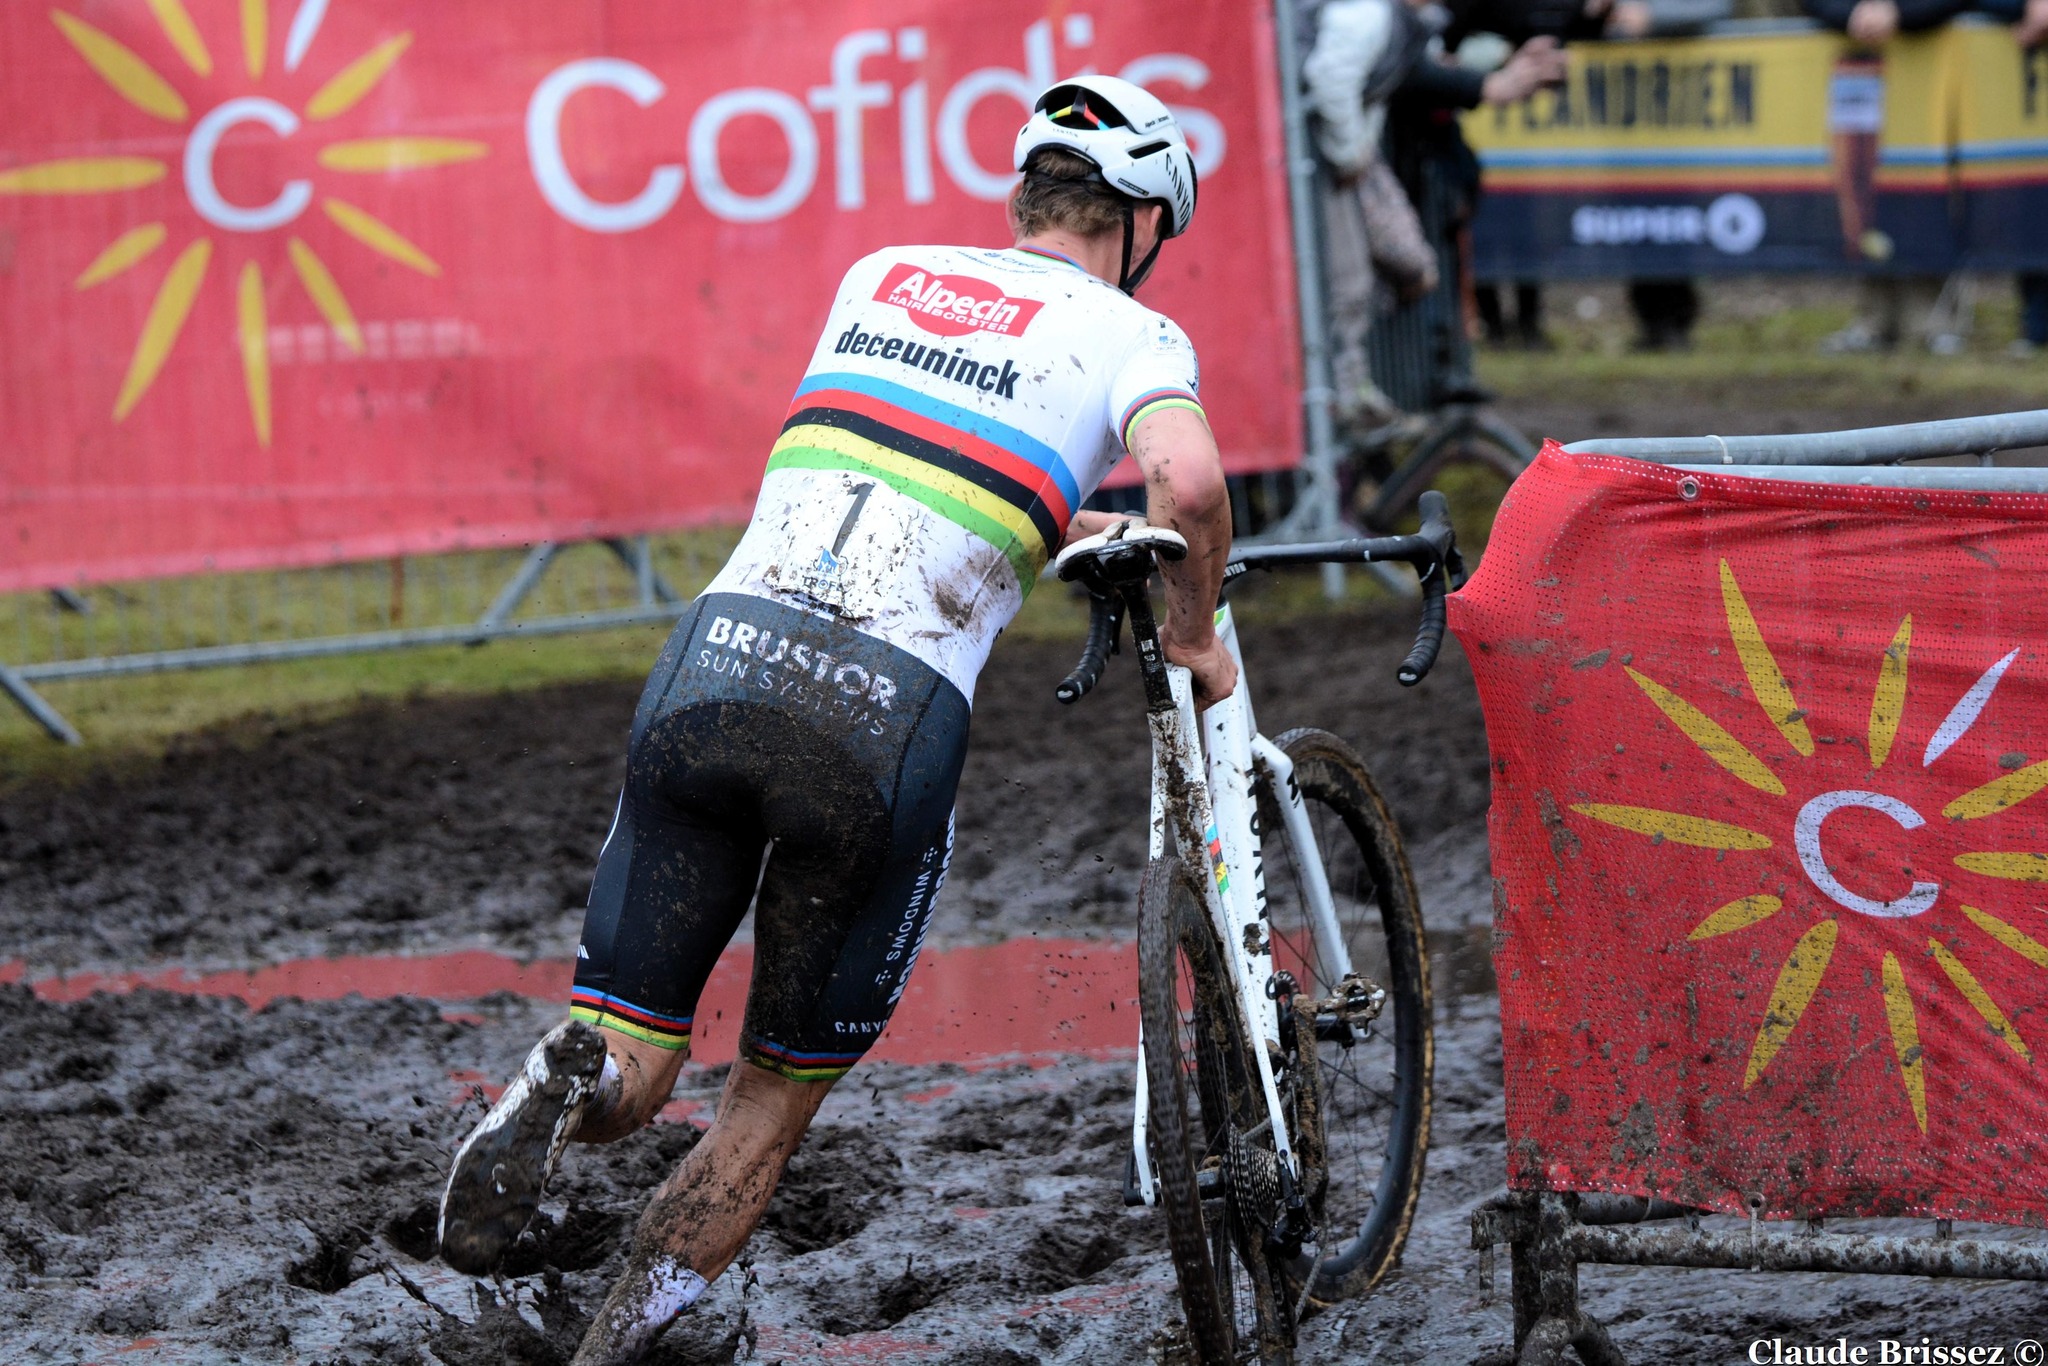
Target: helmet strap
1128,280
1123,275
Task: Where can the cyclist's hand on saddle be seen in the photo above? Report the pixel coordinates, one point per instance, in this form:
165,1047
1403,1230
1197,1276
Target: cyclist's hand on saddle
1215,672
1088,523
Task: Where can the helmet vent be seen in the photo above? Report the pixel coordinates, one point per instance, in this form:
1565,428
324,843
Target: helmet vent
1073,107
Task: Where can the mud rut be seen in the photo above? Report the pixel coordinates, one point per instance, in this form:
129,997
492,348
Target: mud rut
182,1179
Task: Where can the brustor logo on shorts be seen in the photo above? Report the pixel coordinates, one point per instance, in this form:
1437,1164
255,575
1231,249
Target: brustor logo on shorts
798,672
954,305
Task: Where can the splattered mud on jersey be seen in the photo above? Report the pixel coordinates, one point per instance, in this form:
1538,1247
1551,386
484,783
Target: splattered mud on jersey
959,407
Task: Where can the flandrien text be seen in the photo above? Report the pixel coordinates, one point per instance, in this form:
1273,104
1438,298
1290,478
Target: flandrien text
1882,1352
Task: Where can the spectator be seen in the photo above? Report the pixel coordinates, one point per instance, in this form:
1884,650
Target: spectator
1528,321
2030,32
1428,151
1358,51
1665,312
2033,313
1889,305
1665,309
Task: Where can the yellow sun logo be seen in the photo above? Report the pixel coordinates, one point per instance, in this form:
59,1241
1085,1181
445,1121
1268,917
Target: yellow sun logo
1885,798
143,87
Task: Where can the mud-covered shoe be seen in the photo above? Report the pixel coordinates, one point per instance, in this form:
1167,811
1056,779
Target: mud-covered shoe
495,1184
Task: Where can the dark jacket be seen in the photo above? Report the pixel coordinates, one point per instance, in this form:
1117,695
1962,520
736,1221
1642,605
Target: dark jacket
1440,86
1425,146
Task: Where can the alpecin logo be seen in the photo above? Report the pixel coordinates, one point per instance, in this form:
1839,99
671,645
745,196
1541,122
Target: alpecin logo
954,305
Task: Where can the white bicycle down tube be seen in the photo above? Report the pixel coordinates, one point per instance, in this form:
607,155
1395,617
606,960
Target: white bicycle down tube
1219,838
1227,731
1322,909
1240,907
1174,734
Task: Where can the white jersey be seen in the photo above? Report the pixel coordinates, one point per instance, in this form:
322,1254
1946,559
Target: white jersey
958,409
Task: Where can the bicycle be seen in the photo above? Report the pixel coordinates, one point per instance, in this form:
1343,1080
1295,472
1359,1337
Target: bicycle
1294,1009
1457,448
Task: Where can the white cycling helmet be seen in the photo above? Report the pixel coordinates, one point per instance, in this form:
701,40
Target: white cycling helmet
1137,148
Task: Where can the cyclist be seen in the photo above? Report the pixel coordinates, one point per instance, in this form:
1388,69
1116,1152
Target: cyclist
812,705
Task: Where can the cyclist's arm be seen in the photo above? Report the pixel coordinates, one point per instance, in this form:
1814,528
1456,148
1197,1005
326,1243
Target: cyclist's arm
1184,490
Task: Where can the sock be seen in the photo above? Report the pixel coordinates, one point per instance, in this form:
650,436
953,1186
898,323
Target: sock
610,1086
671,1288
639,1309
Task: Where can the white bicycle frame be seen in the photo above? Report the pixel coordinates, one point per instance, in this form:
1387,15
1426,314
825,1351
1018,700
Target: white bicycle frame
1216,828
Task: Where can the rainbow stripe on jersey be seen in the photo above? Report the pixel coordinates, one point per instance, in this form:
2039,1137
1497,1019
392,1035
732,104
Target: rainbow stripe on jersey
1010,489
635,1022
799,1066
1144,405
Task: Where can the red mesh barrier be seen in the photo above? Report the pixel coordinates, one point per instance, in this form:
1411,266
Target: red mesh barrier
1770,858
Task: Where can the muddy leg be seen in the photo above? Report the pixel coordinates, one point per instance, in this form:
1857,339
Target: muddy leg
646,1078
702,1215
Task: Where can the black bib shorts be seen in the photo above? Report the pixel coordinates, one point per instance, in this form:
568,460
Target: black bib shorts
767,731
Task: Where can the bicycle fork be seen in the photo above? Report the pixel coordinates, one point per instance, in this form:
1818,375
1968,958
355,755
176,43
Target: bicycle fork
1203,809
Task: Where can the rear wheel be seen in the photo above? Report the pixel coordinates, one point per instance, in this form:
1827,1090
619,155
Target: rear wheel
1368,1125
1195,1051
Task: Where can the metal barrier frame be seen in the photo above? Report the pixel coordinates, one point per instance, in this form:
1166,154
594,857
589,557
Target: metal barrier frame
1550,1234
1316,515
1819,457
655,601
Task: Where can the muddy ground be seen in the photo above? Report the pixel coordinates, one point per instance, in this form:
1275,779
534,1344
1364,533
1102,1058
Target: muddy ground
419,827
183,1179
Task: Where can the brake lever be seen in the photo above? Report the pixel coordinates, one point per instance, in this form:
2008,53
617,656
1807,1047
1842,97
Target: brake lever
1437,529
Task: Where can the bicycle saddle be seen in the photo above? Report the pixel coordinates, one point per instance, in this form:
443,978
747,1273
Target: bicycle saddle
1125,551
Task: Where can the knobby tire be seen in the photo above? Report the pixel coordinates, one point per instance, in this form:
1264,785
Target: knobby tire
1208,1248
1362,855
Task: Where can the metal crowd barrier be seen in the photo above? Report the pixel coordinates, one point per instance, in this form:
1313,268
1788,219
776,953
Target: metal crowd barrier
462,598
1551,1234
151,627
1823,457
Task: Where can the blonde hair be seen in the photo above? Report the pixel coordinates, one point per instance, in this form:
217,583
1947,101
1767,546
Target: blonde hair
1063,190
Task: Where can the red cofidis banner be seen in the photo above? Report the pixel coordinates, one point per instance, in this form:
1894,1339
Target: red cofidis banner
1770,852
293,281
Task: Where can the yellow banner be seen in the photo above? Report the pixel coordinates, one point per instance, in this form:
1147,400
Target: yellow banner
1756,112
2001,122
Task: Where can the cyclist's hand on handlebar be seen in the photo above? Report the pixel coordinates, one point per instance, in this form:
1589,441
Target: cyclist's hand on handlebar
1215,672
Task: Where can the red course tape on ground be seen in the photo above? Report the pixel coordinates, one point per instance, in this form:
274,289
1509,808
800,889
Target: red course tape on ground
1018,1000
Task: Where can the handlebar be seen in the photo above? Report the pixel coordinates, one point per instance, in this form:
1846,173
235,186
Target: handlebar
1432,551
1105,622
